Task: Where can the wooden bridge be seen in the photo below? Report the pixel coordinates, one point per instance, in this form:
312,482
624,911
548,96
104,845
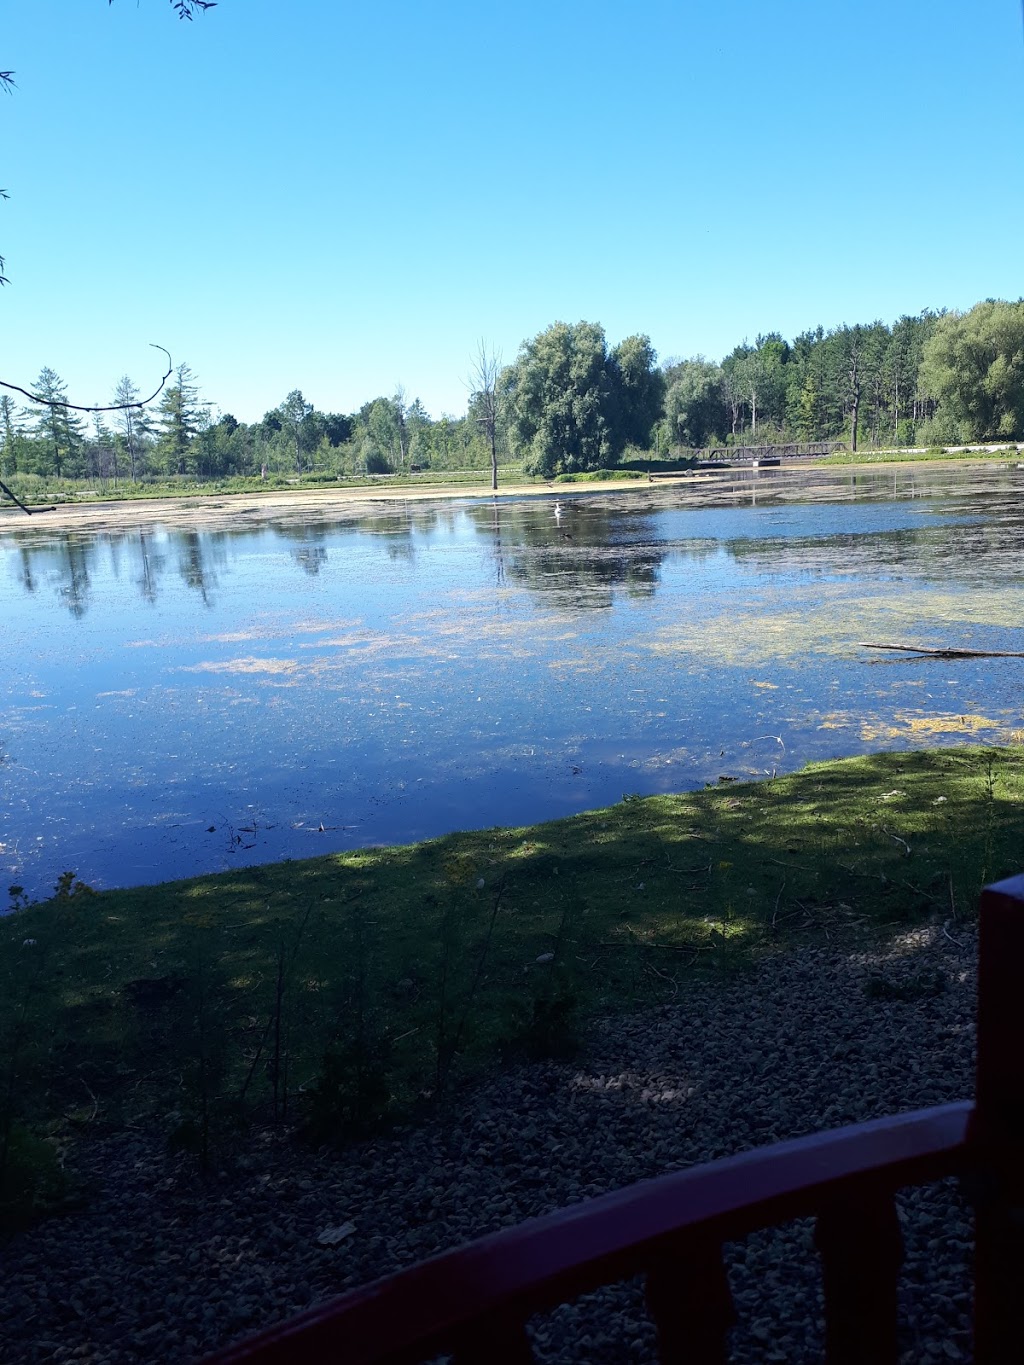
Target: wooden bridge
475,1301
752,455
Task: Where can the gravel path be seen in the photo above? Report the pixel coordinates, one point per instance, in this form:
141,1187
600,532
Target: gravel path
161,1268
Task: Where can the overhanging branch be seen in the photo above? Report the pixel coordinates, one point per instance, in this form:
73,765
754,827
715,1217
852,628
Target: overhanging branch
110,407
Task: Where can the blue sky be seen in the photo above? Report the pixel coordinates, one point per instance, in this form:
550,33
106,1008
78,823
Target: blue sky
344,197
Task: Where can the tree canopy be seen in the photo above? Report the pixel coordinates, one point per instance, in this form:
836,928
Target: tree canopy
571,405
974,365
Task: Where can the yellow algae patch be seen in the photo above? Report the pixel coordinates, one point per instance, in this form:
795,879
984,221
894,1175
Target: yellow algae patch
907,725
741,639
246,665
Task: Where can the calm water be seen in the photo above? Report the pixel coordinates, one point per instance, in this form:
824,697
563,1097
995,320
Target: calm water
182,699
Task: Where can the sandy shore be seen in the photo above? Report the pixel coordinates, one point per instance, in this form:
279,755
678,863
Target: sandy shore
213,509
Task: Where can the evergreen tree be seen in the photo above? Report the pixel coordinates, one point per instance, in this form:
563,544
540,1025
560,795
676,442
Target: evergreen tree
180,414
8,434
133,424
57,427
101,450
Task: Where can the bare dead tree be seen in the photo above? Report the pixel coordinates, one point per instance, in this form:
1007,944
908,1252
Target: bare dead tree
483,383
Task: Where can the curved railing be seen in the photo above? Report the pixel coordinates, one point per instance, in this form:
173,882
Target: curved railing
474,1302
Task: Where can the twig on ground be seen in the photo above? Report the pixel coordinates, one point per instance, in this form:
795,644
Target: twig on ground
95,1101
896,838
778,898
650,967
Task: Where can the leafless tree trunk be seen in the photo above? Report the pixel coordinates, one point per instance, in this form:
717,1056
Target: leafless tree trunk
483,381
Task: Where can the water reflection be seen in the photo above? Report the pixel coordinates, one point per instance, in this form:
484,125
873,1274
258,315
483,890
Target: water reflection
578,559
392,671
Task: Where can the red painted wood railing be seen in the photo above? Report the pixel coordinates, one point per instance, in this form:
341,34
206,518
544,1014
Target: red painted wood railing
474,1302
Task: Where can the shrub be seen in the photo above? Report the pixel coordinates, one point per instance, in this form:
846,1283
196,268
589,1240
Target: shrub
32,1181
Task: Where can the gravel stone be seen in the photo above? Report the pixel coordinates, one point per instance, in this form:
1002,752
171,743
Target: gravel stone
158,1266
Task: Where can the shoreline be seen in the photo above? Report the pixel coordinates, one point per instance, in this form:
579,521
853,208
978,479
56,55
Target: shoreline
206,508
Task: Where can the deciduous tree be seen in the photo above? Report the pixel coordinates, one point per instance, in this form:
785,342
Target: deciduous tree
637,393
973,363
695,411
570,405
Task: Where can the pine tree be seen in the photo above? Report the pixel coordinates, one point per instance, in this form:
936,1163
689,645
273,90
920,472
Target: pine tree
57,426
179,415
133,423
8,434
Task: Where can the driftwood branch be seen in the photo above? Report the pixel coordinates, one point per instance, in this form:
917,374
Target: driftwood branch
111,407
948,653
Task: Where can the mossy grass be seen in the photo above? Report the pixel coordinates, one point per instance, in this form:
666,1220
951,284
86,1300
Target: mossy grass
394,974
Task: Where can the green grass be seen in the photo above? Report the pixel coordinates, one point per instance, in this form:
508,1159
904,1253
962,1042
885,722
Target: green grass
898,456
414,967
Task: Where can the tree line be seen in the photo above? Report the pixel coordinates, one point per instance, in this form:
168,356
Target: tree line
185,437
940,378
569,402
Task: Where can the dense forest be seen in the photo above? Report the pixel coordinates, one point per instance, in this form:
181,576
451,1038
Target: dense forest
568,402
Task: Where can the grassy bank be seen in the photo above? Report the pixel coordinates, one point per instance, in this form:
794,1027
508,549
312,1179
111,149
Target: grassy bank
36,490
345,990
900,455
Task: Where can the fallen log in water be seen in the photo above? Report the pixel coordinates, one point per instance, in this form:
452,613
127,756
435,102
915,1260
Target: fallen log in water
948,653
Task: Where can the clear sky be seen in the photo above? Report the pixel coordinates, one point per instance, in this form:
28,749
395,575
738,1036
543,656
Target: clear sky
343,197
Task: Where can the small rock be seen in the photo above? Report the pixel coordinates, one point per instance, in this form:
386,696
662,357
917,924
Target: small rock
332,1236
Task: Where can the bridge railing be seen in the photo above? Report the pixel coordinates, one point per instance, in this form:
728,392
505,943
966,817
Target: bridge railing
793,450
475,1302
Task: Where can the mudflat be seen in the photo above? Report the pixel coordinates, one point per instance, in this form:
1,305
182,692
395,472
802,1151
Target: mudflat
212,508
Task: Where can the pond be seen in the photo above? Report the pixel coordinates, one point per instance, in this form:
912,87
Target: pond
235,686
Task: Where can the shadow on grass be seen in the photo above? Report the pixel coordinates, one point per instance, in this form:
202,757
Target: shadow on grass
244,993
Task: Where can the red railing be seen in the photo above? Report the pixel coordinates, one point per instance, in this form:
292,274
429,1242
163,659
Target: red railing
474,1302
